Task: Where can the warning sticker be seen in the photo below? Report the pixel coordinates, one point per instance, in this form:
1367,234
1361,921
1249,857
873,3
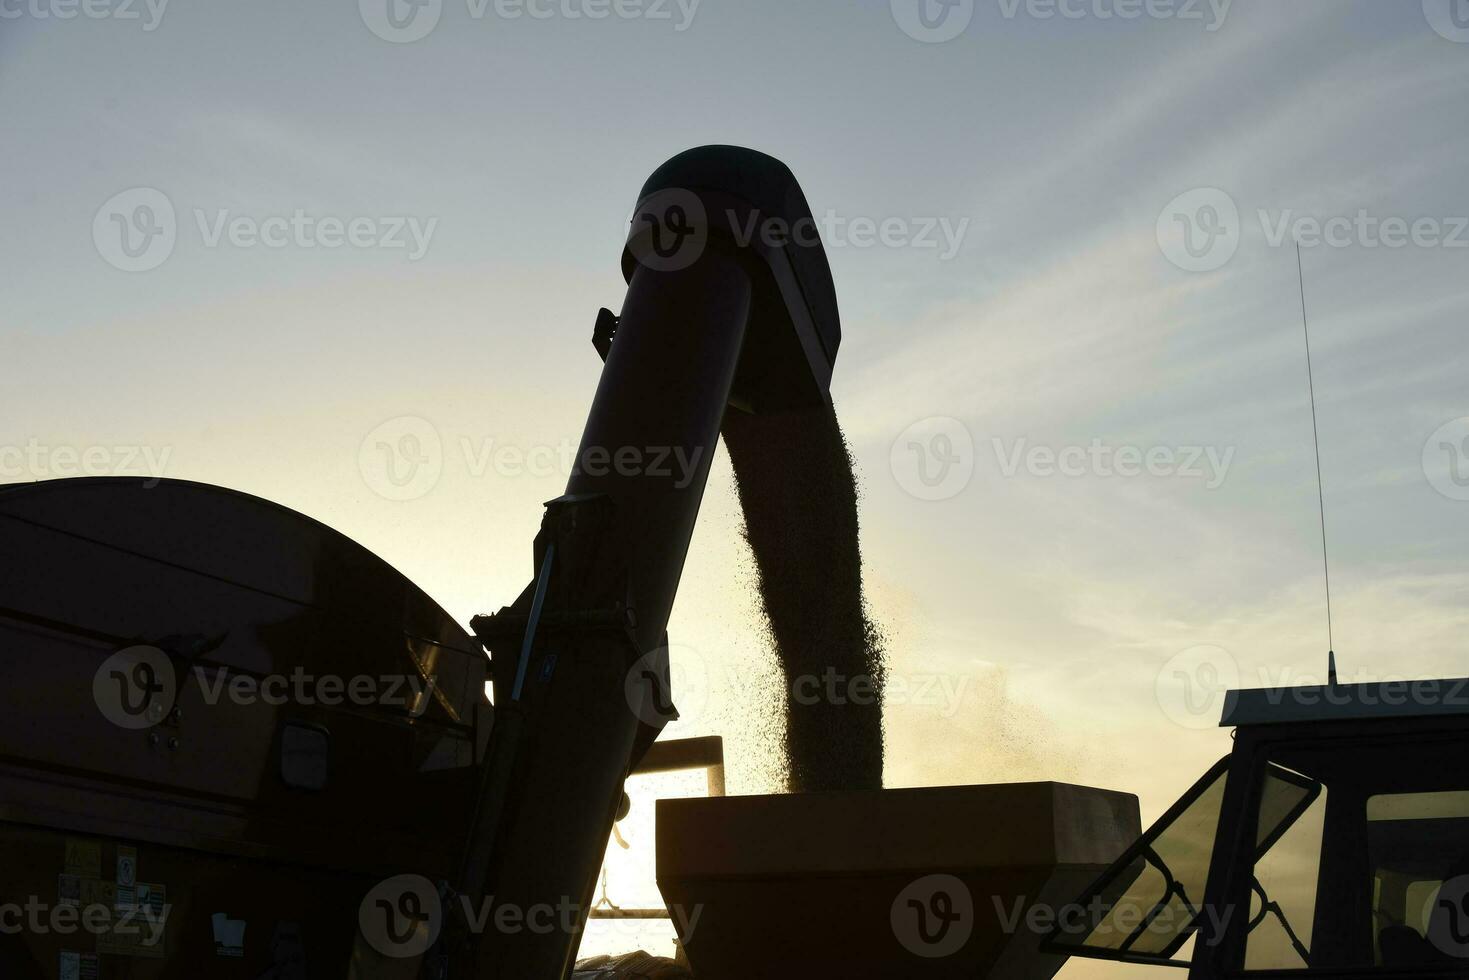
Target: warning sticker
95,891
140,928
71,966
84,858
68,890
151,900
90,966
134,933
127,866
229,935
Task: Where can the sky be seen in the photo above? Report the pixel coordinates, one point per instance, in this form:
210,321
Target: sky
251,244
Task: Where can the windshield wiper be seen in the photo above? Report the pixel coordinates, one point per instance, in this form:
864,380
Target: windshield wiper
1266,908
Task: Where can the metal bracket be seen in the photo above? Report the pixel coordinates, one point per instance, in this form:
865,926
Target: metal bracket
604,332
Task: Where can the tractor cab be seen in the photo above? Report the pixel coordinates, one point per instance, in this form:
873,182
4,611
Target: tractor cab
1332,842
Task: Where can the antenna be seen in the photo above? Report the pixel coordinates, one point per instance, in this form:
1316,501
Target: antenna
1320,485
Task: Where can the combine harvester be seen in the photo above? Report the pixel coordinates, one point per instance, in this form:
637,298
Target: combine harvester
186,770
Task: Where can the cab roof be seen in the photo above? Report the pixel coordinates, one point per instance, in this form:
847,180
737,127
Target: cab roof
1346,702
